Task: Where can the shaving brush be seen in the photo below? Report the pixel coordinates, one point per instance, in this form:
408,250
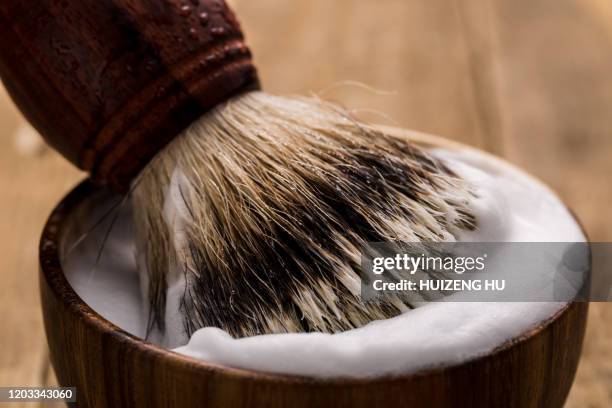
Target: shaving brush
261,205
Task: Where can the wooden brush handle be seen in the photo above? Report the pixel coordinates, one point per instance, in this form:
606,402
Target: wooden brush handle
108,83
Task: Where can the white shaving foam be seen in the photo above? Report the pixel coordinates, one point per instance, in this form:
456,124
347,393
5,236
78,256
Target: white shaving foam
512,207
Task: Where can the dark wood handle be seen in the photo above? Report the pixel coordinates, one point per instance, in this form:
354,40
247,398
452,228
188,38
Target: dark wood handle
109,83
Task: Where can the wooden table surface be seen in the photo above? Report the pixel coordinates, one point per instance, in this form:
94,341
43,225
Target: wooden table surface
530,80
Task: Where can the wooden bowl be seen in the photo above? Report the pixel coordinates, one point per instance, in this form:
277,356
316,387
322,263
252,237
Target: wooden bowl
111,368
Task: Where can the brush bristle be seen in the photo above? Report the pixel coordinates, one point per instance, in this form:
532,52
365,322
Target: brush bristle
264,206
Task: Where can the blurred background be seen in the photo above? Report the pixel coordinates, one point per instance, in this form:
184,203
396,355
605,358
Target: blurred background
529,80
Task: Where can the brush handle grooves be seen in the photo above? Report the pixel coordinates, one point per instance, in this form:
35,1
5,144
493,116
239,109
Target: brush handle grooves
108,83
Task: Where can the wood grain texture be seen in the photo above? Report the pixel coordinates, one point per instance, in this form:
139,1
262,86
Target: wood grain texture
552,74
412,53
430,55
110,83
24,356
109,367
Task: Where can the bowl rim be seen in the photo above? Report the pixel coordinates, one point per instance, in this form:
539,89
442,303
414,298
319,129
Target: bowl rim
52,272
